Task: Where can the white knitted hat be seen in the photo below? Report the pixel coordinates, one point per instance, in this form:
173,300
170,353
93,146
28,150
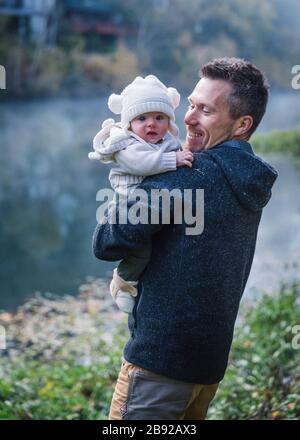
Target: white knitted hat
145,95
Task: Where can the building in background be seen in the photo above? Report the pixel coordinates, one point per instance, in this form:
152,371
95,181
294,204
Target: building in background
42,21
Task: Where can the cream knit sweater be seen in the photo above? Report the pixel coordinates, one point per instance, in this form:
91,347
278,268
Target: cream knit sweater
135,159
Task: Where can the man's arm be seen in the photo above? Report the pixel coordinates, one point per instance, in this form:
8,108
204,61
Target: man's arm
114,241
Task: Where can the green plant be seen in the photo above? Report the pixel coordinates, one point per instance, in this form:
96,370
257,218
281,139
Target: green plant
263,377
278,141
73,375
69,386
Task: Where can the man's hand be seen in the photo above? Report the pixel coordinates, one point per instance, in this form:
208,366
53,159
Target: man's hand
184,158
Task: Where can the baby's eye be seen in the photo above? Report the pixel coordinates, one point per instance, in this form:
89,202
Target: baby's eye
159,117
141,118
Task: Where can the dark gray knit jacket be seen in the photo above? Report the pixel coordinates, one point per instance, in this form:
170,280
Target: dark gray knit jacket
188,296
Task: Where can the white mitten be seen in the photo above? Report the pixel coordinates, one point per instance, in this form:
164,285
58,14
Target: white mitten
117,134
98,141
105,141
103,134
94,155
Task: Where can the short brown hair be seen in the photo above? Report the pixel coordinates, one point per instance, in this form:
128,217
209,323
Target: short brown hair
250,88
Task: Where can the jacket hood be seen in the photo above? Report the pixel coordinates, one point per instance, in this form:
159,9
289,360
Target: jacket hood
250,177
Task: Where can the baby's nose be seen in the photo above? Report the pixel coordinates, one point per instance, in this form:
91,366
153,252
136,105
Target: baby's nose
151,121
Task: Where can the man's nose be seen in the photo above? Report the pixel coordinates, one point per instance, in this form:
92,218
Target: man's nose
190,117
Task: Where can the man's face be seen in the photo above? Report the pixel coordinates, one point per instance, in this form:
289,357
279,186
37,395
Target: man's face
207,120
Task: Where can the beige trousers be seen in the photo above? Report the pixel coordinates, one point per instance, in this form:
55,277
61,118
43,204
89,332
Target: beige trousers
142,395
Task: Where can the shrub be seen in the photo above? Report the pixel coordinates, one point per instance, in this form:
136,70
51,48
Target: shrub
263,377
278,141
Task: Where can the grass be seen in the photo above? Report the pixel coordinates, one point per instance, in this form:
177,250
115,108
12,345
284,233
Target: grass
62,388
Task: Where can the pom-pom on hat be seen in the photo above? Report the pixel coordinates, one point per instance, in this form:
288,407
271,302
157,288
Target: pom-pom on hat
145,95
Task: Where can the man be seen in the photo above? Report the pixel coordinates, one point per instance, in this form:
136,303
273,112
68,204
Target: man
188,297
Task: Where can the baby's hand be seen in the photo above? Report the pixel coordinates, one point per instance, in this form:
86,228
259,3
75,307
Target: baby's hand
94,155
184,158
117,134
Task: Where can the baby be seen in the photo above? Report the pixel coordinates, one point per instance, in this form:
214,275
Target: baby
144,143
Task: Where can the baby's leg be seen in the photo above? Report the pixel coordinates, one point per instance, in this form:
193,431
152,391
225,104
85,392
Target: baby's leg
125,279
131,267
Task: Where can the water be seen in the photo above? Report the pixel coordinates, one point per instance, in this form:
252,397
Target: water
278,243
48,206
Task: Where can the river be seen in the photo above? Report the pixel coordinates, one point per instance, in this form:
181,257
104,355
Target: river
48,205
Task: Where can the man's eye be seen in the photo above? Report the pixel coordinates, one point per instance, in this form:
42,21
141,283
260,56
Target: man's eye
206,111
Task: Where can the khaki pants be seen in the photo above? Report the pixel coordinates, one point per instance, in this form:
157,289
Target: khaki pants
142,395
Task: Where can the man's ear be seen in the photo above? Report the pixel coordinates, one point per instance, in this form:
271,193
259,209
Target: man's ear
242,126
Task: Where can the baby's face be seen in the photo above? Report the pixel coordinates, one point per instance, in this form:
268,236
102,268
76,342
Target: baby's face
151,127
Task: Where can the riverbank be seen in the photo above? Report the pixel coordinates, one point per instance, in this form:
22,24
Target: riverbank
63,355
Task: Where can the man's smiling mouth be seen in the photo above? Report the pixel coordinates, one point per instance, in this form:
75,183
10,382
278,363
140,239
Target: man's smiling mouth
195,134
